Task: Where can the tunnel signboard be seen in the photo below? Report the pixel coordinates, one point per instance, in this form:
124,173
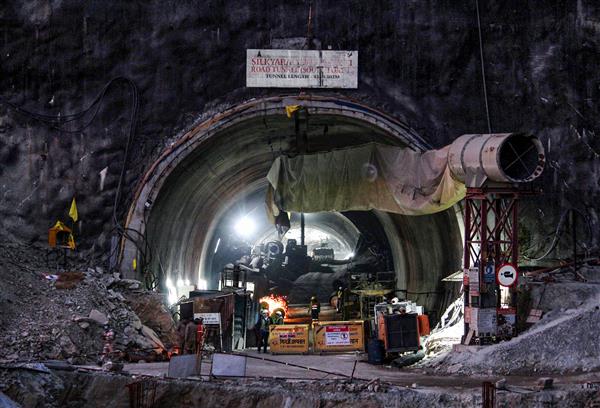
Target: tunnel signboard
301,69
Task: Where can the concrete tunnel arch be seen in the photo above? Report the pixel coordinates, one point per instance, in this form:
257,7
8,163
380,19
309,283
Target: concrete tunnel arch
185,192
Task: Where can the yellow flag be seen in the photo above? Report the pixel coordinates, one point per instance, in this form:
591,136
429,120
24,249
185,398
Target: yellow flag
73,211
290,109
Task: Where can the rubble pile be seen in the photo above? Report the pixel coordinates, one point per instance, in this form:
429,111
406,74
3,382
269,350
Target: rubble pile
41,321
563,341
448,331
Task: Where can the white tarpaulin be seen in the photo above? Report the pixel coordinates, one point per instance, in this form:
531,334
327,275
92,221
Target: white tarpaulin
370,176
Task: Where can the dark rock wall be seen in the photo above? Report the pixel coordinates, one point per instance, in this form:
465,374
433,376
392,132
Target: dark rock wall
418,60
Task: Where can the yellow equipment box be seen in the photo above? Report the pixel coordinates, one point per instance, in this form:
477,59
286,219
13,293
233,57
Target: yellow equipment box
339,336
288,338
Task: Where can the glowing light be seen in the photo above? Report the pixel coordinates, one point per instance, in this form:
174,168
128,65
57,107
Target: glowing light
179,282
350,255
202,284
275,302
169,284
245,227
172,297
217,246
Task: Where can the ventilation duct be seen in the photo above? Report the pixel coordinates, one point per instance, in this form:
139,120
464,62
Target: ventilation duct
400,180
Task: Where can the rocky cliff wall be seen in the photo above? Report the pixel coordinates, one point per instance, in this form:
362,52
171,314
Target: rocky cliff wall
418,61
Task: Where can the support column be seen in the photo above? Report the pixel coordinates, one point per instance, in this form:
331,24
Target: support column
491,240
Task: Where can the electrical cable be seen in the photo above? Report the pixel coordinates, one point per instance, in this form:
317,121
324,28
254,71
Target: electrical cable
54,121
487,110
559,231
57,122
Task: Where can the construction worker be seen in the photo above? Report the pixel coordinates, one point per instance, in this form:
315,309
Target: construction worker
339,302
199,335
263,329
278,317
315,308
190,338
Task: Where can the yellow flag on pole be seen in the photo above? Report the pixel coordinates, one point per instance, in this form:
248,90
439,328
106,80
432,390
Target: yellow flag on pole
290,109
73,211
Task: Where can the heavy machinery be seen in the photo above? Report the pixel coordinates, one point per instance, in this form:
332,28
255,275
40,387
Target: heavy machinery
400,326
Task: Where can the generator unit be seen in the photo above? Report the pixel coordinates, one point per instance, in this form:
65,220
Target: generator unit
400,326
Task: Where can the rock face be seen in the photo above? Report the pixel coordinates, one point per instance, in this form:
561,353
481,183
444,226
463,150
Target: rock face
418,61
98,317
151,310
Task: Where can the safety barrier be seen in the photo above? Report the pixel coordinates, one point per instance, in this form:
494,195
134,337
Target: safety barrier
289,338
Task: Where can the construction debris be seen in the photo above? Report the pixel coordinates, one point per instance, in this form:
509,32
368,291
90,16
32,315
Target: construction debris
44,322
562,341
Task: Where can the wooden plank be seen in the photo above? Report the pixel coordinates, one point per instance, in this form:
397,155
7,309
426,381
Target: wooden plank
469,337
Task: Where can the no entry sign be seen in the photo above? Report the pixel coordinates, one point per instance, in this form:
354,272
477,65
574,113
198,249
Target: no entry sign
506,275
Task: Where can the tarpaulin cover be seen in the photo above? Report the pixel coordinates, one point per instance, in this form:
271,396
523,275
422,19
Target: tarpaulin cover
370,176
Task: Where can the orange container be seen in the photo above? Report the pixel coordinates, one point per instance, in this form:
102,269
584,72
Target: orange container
423,323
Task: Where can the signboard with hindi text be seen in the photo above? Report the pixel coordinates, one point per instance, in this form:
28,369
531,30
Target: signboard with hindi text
288,338
301,69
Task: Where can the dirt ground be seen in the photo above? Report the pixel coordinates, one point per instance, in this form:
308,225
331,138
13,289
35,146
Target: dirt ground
341,366
275,384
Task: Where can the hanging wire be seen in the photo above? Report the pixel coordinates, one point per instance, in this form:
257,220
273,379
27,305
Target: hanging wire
487,110
309,33
62,124
559,232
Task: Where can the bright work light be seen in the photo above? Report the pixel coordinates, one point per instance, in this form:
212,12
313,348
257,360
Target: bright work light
244,227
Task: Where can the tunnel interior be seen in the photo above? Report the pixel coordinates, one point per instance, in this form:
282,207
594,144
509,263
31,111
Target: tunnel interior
210,210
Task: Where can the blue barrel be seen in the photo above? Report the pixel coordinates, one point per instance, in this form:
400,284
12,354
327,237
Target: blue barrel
375,350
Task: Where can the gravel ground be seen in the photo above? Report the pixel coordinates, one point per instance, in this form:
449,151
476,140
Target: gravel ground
39,321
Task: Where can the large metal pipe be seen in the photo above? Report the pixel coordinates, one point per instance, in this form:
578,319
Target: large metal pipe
401,180
502,157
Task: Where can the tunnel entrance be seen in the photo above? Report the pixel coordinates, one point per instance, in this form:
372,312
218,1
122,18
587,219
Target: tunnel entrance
214,176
